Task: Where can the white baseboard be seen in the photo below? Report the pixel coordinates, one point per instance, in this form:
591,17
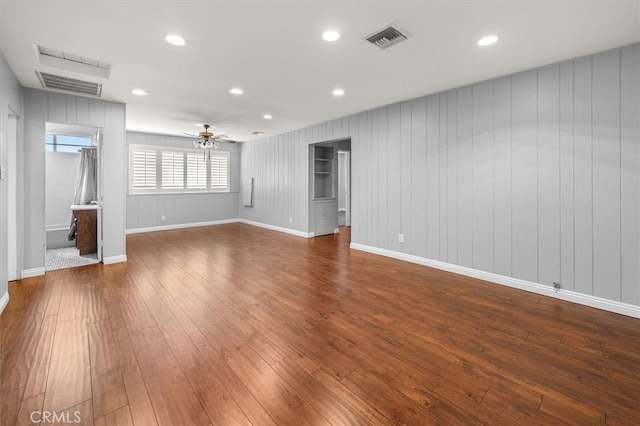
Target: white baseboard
33,272
110,260
180,226
4,300
277,228
570,296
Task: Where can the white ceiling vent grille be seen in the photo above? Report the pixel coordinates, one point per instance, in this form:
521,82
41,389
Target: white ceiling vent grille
387,37
58,82
72,62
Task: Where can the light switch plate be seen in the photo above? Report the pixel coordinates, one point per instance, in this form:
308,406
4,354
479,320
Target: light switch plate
3,173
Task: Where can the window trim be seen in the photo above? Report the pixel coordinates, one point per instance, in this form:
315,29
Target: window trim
184,190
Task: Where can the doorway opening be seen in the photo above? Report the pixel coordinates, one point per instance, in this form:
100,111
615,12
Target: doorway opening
73,190
330,188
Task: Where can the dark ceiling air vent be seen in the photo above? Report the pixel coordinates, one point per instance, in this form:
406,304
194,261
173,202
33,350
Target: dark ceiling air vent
387,37
58,82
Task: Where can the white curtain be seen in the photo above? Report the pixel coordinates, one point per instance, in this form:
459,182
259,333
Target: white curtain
86,183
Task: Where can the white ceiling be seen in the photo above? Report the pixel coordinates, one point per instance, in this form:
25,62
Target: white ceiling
273,50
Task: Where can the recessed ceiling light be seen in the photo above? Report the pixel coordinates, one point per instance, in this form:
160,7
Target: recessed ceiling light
330,35
139,92
175,40
257,133
338,92
485,41
236,91
267,116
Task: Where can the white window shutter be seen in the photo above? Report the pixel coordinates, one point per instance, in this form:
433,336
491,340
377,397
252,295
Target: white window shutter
172,170
196,171
219,171
144,170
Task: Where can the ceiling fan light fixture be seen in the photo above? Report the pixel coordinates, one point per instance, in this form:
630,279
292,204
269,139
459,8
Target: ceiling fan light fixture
206,144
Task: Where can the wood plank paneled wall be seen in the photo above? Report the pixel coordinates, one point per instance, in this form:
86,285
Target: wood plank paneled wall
41,107
280,168
533,176
145,211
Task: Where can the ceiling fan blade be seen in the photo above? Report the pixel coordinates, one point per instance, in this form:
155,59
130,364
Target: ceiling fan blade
190,134
224,138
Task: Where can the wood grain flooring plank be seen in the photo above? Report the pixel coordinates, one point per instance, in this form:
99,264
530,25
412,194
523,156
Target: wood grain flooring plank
156,307
315,394
361,406
80,414
69,379
171,395
570,411
30,411
9,406
120,417
137,395
278,398
182,318
210,327
19,351
39,369
392,404
107,385
211,391
254,411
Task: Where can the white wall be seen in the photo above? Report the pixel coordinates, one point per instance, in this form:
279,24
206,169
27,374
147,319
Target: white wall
10,102
41,107
145,211
280,166
533,176
61,174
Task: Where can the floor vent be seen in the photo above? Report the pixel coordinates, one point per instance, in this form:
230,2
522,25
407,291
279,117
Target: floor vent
58,82
387,37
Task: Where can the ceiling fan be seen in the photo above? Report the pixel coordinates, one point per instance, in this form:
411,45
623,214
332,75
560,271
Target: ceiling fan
209,140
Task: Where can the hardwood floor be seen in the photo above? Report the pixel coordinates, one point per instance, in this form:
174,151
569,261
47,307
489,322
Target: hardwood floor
238,325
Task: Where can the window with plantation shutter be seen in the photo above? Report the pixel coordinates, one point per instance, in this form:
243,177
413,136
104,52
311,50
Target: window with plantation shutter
170,170
220,171
144,170
196,171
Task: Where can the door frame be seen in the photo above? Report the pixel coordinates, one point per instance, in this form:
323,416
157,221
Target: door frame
13,125
345,174
87,131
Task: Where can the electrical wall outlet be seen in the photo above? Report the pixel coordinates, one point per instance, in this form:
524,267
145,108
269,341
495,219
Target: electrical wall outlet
163,218
401,238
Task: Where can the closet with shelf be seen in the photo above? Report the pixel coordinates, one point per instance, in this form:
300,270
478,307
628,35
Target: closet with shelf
323,173
324,202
